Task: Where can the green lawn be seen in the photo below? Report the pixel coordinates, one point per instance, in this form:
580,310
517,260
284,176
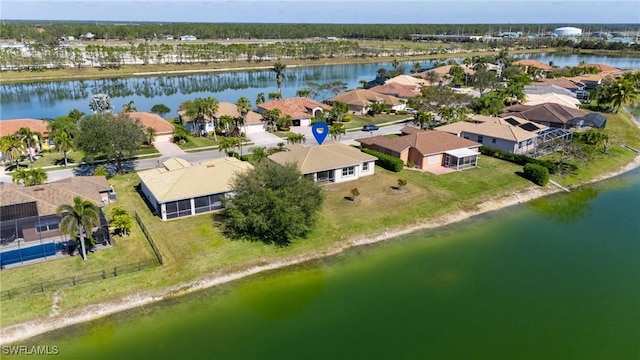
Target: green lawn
195,142
358,121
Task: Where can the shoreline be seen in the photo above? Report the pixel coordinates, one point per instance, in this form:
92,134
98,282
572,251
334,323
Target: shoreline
25,330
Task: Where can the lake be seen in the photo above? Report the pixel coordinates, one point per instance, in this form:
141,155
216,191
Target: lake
557,278
53,99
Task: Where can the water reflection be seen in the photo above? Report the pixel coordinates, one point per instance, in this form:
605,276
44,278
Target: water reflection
566,208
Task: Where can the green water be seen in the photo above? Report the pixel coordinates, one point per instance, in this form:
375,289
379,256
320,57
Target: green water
555,279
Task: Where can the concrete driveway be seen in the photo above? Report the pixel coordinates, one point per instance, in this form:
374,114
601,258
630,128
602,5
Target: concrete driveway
265,139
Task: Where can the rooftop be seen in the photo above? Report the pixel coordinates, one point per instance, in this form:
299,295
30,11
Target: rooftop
297,108
11,126
427,142
311,159
155,121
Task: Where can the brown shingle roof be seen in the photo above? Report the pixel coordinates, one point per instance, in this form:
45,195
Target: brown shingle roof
397,90
51,195
155,121
311,159
297,108
563,82
548,112
8,127
533,63
363,97
497,129
427,142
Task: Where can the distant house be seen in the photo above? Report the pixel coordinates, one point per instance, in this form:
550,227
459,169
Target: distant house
429,150
300,109
29,226
442,73
40,127
163,128
360,100
565,83
566,100
601,67
167,37
401,91
179,189
253,121
555,115
331,162
514,135
188,38
407,80
530,63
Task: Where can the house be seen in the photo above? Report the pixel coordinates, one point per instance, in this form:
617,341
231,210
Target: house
554,115
331,162
530,63
513,135
563,82
360,100
29,226
253,121
566,100
40,127
407,80
300,109
589,81
429,150
442,73
163,128
601,67
187,38
179,189
401,91
541,89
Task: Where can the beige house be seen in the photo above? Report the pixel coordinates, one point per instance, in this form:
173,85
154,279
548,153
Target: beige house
331,162
300,109
360,100
179,189
507,134
429,150
253,122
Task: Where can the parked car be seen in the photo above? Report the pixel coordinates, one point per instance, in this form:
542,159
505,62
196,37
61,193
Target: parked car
370,127
410,110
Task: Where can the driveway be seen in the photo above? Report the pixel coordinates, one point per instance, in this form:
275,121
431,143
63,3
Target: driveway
168,149
265,139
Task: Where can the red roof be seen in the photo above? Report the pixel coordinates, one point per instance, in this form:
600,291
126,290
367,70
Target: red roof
155,121
563,82
397,90
425,141
8,127
601,67
533,63
297,108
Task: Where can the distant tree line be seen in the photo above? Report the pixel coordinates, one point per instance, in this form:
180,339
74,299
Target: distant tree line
23,30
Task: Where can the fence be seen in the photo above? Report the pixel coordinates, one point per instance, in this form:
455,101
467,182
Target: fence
149,238
78,279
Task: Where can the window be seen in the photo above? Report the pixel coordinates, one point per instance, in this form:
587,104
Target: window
47,226
480,139
493,141
365,166
348,171
466,137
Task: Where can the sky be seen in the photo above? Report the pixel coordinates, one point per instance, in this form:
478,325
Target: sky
329,11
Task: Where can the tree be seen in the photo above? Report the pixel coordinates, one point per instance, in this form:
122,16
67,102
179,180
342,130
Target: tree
303,93
416,68
160,109
378,108
64,144
129,107
338,110
484,80
78,219
180,134
201,109
447,113
29,138
12,147
274,96
354,193
432,77
35,177
100,103
271,116
259,154
273,204
76,115
122,220
402,183
114,136
260,98
19,176
363,84
228,144
150,134
491,103
622,92
243,105
278,68
423,119
336,131
294,138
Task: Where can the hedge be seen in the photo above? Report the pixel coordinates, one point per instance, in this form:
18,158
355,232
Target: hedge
537,173
386,161
551,166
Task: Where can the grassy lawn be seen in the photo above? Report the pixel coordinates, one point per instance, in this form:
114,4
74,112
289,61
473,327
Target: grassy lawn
282,134
147,150
358,121
198,142
55,159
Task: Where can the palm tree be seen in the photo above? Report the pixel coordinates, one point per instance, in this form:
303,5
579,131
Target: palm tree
303,93
336,131
278,68
225,122
29,138
79,218
364,84
36,176
423,119
621,92
151,135
274,96
259,154
294,138
129,107
200,109
243,105
447,113
19,176
64,143
227,144
12,147
260,98
432,77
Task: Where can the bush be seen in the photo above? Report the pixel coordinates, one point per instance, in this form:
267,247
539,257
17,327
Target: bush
551,166
346,118
411,164
537,173
386,161
402,112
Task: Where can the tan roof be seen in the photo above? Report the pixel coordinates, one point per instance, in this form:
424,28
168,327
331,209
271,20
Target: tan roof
536,99
297,108
601,67
8,127
51,195
497,129
155,121
363,97
444,70
227,108
426,142
179,180
587,77
311,159
547,112
533,63
563,82
406,80
397,90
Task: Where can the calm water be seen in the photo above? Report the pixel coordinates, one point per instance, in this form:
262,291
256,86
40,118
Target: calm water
555,279
53,99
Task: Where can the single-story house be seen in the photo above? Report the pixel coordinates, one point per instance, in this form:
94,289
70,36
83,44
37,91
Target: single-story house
590,81
300,109
563,82
602,68
407,80
504,134
547,114
401,91
179,189
542,89
162,127
330,162
29,226
428,149
360,100
11,126
530,63
253,121
566,100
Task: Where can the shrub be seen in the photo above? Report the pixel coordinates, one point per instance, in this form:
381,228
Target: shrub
346,118
411,164
402,112
386,161
551,166
100,171
285,128
537,173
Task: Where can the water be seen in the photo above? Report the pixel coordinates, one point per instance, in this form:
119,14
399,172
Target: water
558,278
53,99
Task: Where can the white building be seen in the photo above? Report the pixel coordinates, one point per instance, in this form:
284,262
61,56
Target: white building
568,31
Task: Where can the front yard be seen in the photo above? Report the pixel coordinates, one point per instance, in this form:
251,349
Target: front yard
358,121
